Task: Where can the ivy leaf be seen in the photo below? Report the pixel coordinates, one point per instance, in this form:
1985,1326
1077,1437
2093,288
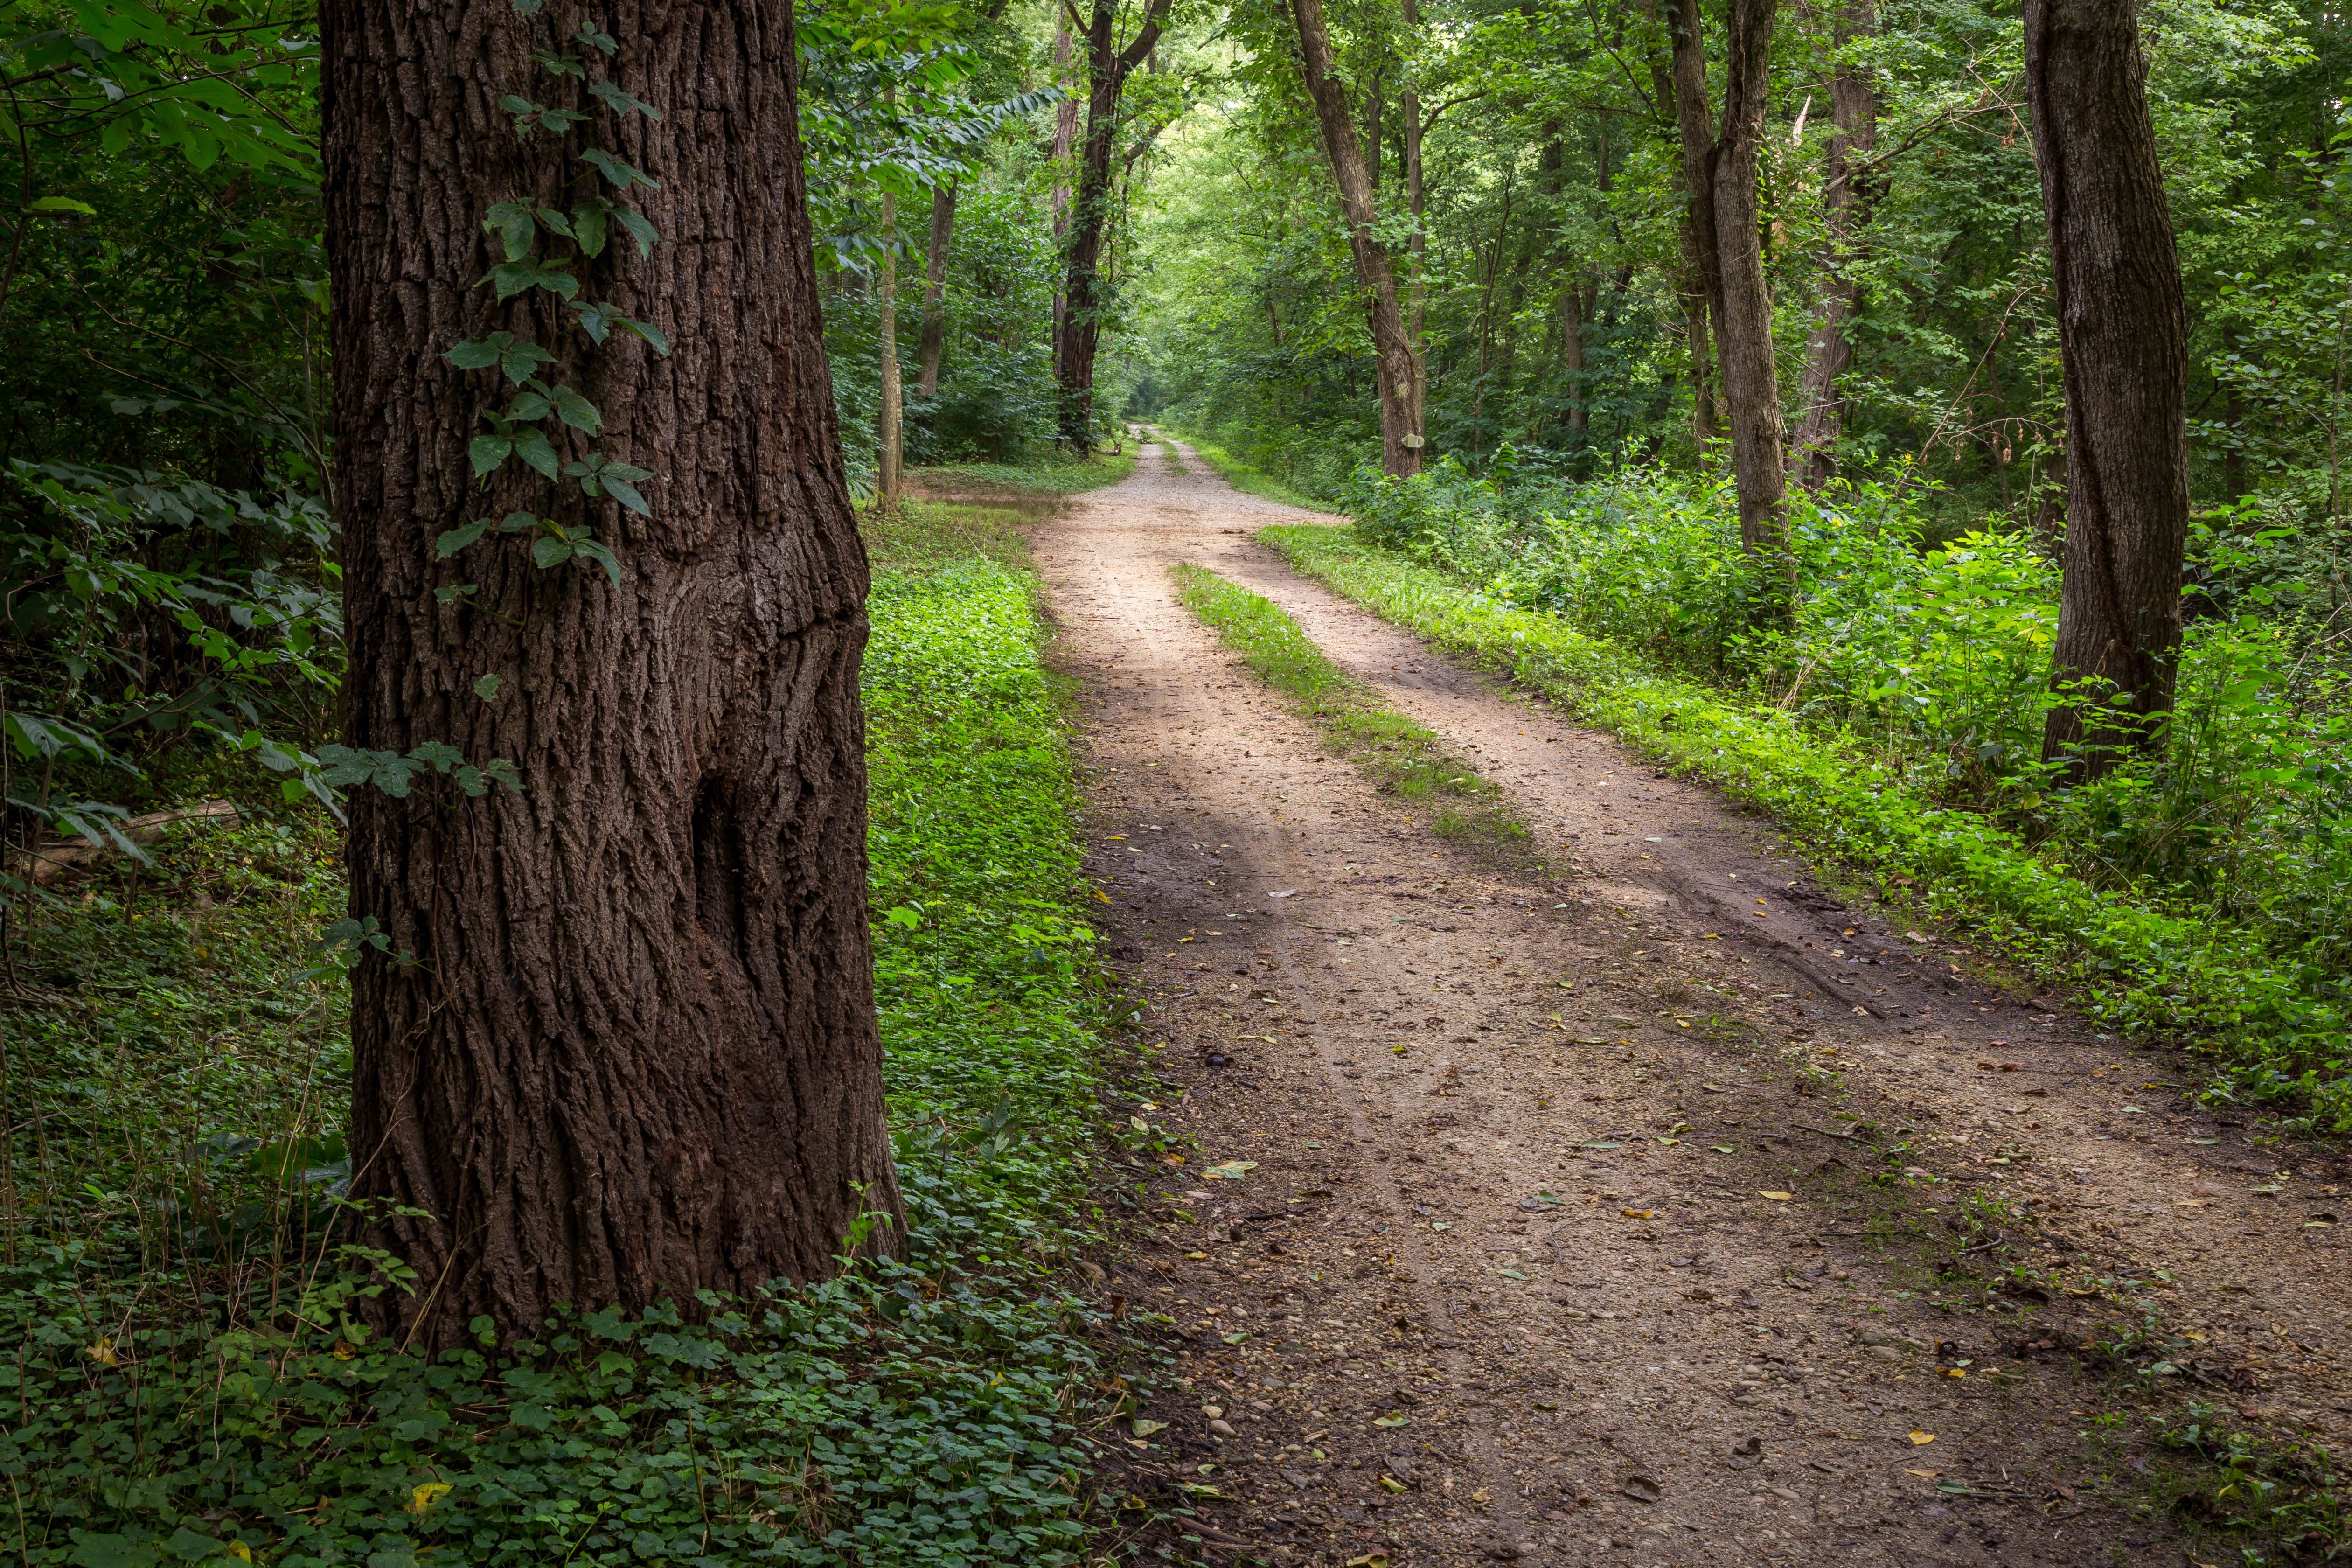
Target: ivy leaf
531,405
461,591
653,335
527,8
516,522
438,755
621,102
479,353
456,539
588,225
488,451
596,39
513,277
625,492
487,688
470,779
598,321
523,359
623,175
550,550
594,551
532,448
576,411
640,230
515,225
554,222
68,204
560,64
504,772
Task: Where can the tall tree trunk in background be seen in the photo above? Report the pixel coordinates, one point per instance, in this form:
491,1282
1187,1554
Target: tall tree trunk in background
1573,317
1844,209
1751,381
635,1055
1079,333
2124,343
1702,266
1066,136
1409,130
1372,132
934,341
1391,344
889,423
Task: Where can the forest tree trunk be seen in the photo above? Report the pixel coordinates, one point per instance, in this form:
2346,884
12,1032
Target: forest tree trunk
2123,345
932,345
1701,290
1393,355
1079,333
1417,326
1751,381
1829,352
890,422
635,1055
1066,136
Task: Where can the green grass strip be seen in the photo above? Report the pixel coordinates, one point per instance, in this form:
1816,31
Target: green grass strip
2278,1028
1401,756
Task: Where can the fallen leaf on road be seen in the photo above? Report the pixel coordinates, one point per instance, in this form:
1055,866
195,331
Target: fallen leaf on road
1775,1197
1370,1559
1921,1439
1641,1488
1146,1429
1391,1484
1723,1148
1286,893
1639,1214
1231,1171
1395,1418
1931,1474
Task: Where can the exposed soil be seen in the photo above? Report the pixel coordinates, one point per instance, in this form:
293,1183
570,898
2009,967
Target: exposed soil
1513,1276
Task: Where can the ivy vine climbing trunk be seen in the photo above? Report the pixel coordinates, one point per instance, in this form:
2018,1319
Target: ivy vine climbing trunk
2124,350
1392,344
621,1044
1079,333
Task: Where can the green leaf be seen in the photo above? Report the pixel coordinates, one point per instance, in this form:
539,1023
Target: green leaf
516,522
560,64
597,39
513,223
651,334
529,405
504,772
640,230
620,102
622,175
488,452
487,688
532,448
438,755
68,204
479,353
593,550
456,539
588,225
624,492
576,411
549,549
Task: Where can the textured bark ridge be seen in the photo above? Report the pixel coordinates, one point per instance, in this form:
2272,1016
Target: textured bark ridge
1392,344
2123,336
636,1054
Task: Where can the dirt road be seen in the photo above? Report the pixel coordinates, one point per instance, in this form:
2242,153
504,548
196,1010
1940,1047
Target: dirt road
1552,1246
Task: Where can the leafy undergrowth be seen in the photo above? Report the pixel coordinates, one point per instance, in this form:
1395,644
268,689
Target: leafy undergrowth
2277,1027
1399,754
187,1385
1247,479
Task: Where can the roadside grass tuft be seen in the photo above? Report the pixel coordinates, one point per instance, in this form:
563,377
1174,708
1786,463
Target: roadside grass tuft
1250,481
1400,755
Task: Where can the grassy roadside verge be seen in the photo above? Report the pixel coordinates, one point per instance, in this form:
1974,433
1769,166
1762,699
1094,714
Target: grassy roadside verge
1060,478
1401,756
2277,1033
187,1389
1245,478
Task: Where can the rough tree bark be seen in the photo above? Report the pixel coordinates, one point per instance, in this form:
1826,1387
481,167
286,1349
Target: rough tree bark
1844,209
1392,345
2123,345
1695,236
1080,332
1409,130
933,342
1730,243
635,1055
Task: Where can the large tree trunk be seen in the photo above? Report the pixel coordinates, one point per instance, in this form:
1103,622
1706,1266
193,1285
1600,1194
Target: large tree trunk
1844,208
1751,381
2123,343
1066,136
1573,314
1681,89
1409,130
1391,344
1080,332
634,1055
934,341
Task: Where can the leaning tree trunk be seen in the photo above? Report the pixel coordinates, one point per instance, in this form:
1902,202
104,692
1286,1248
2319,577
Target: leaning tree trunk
932,345
1392,344
2123,345
622,1044
1830,350
1080,332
